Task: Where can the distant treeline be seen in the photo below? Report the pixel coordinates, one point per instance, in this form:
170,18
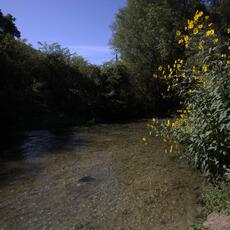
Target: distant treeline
50,86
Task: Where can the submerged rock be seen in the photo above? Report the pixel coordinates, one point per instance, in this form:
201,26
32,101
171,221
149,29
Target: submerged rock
87,179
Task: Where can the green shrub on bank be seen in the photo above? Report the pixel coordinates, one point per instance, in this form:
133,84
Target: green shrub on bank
197,227
202,81
217,199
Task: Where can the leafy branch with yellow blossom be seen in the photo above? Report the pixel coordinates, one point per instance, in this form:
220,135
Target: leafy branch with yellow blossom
202,81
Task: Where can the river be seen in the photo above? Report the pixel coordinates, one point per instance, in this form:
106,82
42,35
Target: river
95,177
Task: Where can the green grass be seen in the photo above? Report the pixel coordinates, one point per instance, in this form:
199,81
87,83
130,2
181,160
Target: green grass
196,227
217,199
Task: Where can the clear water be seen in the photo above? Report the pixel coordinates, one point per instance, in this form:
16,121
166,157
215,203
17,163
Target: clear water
98,177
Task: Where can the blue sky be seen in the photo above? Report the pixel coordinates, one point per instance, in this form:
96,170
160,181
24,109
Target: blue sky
81,25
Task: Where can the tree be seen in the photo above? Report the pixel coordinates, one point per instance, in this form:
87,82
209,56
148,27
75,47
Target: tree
19,65
144,34
116,99
144,31
7,25
220,12
56,51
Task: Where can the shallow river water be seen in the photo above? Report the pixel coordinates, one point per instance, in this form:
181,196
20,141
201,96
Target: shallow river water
96,177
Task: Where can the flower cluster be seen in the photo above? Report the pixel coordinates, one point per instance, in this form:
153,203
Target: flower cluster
201,80
199,25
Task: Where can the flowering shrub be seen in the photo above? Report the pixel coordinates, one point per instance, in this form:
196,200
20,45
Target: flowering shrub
202,81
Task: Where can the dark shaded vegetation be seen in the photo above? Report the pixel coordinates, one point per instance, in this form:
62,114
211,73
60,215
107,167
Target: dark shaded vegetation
51,86
217,198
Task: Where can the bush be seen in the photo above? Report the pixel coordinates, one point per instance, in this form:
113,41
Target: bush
217,199
202,81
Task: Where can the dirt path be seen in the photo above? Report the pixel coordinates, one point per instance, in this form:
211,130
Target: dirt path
99,177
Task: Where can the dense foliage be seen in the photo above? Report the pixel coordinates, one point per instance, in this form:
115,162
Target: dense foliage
217,198
7,25
144,36
203,83
51,85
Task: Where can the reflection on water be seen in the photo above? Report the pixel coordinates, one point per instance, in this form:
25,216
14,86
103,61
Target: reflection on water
98,177
38,142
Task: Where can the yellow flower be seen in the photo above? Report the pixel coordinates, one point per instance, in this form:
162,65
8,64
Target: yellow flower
195,31
196,17
228,30
168,123
228,62
210,33
223,55
207,17
160,68
216,40
186,38
180,41
190,24
186,46
204,68
201,13
178,33
200,26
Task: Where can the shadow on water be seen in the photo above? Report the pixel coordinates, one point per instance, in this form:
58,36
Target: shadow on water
20,153
32,144
11,172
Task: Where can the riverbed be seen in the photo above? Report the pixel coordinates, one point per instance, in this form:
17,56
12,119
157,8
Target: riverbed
96,177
